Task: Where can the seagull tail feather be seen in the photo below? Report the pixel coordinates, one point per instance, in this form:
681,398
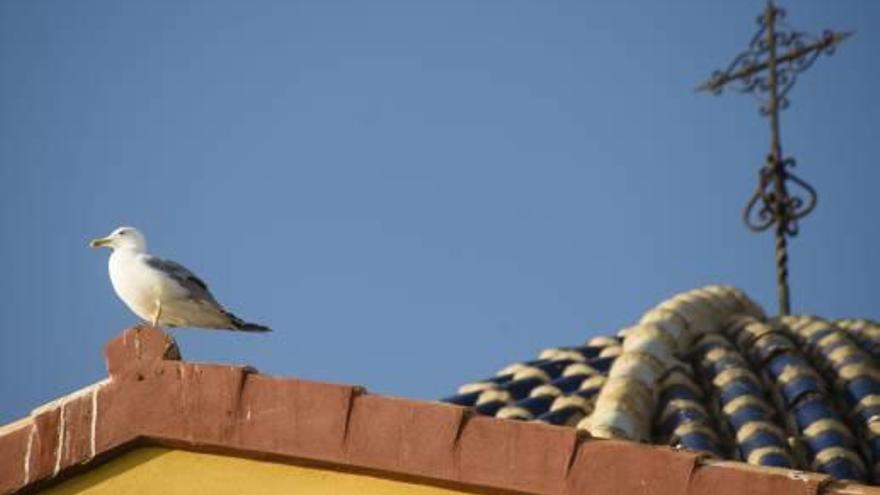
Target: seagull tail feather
241,325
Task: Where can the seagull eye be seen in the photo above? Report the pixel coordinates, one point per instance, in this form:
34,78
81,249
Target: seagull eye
123,232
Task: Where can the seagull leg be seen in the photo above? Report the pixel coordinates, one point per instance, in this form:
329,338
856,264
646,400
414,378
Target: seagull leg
158,314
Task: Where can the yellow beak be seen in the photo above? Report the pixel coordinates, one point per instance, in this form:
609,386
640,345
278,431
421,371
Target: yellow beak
104,241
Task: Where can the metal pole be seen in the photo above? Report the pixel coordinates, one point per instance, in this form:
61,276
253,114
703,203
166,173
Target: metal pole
778,168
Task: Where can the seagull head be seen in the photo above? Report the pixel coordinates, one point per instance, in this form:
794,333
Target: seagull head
122,238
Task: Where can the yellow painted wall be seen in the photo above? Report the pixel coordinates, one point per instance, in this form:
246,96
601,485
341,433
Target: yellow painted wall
151,471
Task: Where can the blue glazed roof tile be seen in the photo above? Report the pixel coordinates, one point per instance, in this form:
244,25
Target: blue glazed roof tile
707,371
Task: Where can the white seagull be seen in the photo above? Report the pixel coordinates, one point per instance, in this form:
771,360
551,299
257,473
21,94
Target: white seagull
161,291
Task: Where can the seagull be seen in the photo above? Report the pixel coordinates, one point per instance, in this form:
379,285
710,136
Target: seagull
161,291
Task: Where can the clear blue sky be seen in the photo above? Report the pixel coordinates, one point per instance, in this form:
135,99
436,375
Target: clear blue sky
411,193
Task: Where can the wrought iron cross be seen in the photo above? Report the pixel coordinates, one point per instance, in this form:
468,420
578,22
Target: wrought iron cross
768,69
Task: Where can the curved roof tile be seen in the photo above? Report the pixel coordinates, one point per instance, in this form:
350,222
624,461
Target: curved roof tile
707,371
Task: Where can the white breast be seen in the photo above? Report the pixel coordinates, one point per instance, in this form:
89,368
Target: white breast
134,282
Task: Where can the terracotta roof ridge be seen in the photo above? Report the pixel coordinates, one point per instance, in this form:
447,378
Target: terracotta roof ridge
152,397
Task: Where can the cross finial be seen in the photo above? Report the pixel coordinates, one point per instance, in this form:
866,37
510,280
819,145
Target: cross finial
768,69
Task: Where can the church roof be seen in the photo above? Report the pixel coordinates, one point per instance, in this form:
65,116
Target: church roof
708,372
678,364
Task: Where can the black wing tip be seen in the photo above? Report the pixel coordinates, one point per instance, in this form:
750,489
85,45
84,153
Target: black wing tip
253,327
241,325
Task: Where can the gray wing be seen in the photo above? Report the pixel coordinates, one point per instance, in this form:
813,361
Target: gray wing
196,287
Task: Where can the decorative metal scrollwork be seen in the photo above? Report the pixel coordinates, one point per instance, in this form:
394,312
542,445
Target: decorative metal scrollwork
795,52
767,207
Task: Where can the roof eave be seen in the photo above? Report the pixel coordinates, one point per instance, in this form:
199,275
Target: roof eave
151,397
